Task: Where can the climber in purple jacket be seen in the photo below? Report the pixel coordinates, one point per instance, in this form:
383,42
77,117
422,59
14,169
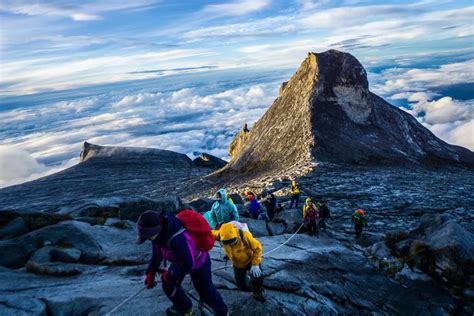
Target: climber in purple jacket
172,243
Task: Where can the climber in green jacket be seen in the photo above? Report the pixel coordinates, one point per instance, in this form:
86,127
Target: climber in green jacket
222,211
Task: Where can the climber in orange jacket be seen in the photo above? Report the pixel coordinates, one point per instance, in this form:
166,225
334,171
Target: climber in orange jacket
245,253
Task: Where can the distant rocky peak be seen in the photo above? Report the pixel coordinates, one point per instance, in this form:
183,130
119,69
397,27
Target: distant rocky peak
326,113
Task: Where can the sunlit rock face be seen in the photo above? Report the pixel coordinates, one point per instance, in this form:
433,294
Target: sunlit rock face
326,112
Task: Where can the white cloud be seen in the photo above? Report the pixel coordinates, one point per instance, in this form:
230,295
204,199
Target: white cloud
449,119
36,76
255,49
400,79
186,120
81,11
236,8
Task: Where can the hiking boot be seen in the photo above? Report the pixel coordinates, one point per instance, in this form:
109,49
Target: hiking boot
258,296
172,311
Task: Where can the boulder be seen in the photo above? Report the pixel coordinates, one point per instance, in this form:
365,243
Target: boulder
21,305
87,219
202,205
440,246
382,258
236,198
291,218
132,208
68,255
70,233
15,227
42,255
258,228
276,228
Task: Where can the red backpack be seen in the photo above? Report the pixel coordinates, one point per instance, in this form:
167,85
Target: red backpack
197,226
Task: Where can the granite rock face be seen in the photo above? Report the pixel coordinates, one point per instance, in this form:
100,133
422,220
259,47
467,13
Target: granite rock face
326,113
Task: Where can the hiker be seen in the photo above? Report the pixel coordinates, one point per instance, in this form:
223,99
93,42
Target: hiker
294,193
230,199
255,209
222,211
245,253
324,214
310,217
171,242
271,204
359,220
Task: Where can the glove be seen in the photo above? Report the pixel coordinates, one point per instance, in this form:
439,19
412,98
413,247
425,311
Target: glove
255,271
150,279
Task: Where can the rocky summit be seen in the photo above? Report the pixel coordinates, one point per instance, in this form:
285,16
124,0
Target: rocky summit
326,112
67,240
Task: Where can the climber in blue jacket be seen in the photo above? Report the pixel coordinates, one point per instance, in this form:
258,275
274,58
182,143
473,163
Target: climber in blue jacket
222,211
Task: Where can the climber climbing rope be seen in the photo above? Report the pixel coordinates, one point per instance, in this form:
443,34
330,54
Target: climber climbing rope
201,304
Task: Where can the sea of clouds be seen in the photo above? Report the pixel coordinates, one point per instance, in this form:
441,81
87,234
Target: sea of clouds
194,115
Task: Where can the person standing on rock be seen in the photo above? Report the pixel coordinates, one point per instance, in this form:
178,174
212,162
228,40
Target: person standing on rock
294,193
171,242
271,204
359,220
255,209
324,214
310,217
222,211
245,253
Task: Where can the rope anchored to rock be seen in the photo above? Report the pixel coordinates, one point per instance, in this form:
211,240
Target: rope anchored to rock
278,247
125,301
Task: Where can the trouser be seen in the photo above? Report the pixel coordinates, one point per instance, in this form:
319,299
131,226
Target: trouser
271,213
294,198
256,284
358,229
202,281
312,227
322,223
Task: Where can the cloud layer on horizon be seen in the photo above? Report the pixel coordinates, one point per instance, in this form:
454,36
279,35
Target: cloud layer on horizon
202,116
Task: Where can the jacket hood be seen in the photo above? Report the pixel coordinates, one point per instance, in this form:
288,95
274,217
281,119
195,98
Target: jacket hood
223,195
308,200
228,231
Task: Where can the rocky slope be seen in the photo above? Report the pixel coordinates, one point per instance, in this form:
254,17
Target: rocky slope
326,112
67,240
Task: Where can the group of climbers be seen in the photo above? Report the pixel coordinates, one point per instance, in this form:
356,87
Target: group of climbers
184,240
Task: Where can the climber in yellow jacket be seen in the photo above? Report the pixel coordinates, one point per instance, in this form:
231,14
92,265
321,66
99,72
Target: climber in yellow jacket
294,193
245,253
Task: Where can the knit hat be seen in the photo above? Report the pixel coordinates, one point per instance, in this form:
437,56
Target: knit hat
149,224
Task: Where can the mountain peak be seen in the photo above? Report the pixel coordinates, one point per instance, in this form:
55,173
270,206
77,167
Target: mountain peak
326,113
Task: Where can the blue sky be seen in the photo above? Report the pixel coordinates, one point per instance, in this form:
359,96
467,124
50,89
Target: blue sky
185,75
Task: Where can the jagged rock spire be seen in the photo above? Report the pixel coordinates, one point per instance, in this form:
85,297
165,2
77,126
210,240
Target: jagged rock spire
326,112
